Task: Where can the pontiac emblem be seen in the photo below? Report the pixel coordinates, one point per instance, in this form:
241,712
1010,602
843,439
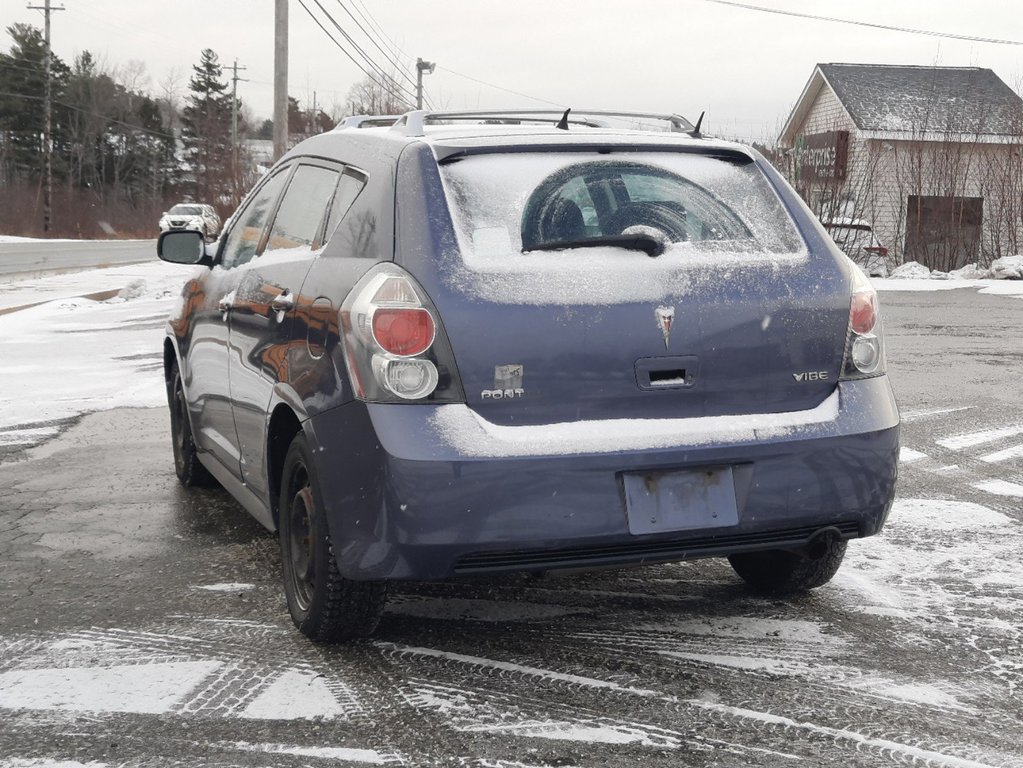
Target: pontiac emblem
665,319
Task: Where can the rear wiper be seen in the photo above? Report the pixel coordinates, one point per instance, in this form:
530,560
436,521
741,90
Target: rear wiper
649,244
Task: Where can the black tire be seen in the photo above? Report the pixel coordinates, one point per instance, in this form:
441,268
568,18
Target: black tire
777,572
187,466
325,606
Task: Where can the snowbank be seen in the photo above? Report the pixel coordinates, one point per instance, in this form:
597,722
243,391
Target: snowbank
1003,278
1005,268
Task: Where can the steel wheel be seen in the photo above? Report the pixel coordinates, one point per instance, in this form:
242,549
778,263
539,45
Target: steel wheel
301,562
325,606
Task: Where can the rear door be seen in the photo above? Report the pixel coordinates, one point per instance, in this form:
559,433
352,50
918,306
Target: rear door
735,317
264,346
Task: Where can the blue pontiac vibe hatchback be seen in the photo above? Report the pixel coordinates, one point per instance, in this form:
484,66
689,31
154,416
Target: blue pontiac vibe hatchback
481,343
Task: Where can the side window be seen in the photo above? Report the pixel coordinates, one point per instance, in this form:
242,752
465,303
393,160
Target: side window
247,231
351,185
300,216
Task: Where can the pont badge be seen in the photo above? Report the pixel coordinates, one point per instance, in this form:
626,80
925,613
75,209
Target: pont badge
507,383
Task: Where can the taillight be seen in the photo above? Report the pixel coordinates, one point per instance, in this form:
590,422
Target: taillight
864,351
403,331
863,311
394,347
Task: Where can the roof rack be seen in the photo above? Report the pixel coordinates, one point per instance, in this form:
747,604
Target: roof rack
366,121
413,123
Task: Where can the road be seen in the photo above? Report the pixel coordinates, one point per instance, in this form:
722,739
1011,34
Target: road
52,256
143,624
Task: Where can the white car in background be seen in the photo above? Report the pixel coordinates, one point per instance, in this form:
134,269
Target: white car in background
857,240
194,216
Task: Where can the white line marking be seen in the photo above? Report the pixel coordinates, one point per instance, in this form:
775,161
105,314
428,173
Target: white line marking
294,696
916,753
143,688
227,587
566,731
908,455
1015,452
1000,488
914,415
350,754
508,666
972,439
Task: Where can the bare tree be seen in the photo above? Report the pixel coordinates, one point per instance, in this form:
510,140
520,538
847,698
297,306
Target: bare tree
377,95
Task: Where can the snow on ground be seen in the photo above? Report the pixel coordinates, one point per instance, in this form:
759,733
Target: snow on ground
75,355
16,239
1003,278
37,290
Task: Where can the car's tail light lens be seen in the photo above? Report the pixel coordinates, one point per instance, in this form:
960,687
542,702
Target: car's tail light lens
403,331
394,347
863,311
864,348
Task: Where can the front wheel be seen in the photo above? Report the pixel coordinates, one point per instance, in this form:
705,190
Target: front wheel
779,572
325,606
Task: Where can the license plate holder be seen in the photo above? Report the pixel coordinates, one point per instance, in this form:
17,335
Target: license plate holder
678,500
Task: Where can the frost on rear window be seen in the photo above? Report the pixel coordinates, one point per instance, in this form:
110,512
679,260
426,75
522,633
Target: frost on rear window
530,226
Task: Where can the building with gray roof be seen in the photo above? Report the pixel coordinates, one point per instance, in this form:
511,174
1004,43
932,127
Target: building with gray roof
930,157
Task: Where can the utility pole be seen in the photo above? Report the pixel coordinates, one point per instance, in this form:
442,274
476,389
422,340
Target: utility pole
280,78
234,129
47,9
422,66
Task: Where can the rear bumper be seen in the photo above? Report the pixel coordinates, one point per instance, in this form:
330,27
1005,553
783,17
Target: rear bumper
406,500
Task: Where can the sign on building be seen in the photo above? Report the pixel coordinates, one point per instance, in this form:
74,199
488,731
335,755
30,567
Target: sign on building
822,156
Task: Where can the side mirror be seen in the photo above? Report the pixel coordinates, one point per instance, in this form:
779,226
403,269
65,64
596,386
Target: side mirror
182,247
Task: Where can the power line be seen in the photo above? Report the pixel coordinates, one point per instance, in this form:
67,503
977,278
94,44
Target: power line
502,88
389,56
396,52
372,64
872,25
345,51
369,19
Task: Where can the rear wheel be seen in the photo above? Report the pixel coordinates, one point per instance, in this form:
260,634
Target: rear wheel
187,466
325,606
779,572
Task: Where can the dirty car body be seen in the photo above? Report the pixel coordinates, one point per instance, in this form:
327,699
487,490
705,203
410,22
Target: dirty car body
473,349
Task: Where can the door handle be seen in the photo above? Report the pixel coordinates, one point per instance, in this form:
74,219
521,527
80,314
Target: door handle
226,304
283,303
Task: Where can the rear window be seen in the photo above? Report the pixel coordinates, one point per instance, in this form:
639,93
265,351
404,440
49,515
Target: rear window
508,205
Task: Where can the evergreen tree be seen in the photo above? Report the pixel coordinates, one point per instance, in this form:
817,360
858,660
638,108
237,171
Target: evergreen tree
23,102
206,130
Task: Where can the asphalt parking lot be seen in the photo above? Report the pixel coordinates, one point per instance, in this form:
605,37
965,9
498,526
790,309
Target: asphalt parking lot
144,624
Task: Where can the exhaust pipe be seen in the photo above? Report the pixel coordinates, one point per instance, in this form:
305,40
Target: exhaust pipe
821,541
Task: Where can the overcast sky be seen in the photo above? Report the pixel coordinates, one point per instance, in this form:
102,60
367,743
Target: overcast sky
744,67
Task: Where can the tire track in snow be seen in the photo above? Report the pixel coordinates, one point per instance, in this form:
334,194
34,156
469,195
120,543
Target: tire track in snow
752,717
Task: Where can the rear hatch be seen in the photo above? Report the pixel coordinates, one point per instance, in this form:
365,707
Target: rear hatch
538,265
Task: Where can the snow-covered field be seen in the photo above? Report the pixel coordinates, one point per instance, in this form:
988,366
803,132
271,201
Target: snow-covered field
65,355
